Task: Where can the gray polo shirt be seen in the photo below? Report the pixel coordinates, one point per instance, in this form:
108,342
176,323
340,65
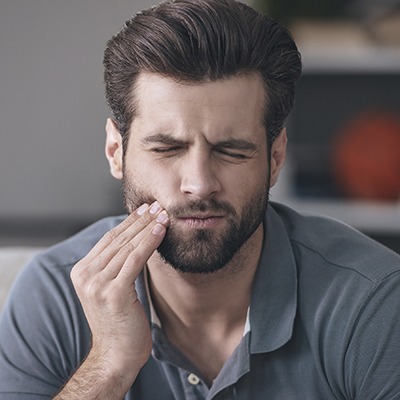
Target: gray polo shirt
324,322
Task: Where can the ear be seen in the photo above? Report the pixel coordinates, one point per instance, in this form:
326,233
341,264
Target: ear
114,150
278,155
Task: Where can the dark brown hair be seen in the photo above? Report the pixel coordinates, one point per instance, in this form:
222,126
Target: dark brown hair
197,41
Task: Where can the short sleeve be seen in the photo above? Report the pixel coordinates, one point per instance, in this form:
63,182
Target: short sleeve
44,335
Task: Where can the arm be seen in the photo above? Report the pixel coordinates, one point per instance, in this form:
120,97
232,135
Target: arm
104,282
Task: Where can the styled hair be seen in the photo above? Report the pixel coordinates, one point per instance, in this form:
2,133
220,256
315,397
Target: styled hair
196,41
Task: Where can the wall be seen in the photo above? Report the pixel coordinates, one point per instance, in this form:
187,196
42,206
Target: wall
53,174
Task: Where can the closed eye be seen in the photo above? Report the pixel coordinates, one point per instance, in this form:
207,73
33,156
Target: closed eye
236,149
239,156
164,149
163,144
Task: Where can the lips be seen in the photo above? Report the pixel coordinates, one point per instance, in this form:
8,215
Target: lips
201,221
200,216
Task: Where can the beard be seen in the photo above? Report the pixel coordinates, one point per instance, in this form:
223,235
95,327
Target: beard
204,251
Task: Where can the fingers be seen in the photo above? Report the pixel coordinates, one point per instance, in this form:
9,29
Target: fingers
129,244
132,257
122,233
136,259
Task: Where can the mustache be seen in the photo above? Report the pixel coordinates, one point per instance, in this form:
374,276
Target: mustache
211,205
133,199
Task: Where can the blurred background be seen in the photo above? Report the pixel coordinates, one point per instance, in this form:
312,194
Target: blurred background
344,132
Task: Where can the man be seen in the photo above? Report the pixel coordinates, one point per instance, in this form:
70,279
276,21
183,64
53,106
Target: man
205,291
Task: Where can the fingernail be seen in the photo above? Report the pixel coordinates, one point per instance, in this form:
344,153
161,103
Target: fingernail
158,229
162,216
154,208
141,210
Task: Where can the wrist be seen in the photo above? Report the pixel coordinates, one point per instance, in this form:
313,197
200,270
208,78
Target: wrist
100,379
114,369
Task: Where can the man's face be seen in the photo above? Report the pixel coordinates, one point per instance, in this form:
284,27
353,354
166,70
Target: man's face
200,150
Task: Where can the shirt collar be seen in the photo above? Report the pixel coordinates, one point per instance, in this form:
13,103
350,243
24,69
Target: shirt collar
152,312
274,297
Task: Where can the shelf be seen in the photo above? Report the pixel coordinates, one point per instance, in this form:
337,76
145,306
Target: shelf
345,46
368,216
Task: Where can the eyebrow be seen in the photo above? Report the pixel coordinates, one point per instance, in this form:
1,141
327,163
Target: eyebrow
162,138
237,144
169,140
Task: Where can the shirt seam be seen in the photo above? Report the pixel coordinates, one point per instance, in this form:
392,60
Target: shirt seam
375,281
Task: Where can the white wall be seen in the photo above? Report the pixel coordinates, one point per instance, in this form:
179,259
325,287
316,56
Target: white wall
52,107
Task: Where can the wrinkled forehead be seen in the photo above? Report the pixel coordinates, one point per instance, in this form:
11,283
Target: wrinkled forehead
227,104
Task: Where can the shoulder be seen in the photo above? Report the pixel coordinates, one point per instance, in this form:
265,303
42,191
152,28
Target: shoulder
333,244
46,277
48,272
77,246
51,267
348,290
56,262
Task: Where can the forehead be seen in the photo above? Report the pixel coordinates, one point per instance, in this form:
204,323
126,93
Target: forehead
222,107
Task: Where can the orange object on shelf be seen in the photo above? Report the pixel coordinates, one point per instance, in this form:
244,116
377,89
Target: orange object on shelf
366,156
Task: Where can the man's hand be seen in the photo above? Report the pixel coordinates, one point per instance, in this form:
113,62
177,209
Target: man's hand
105,284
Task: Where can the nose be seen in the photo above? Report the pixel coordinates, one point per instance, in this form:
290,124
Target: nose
199,176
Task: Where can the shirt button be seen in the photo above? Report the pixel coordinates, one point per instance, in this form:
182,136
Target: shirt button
193,379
